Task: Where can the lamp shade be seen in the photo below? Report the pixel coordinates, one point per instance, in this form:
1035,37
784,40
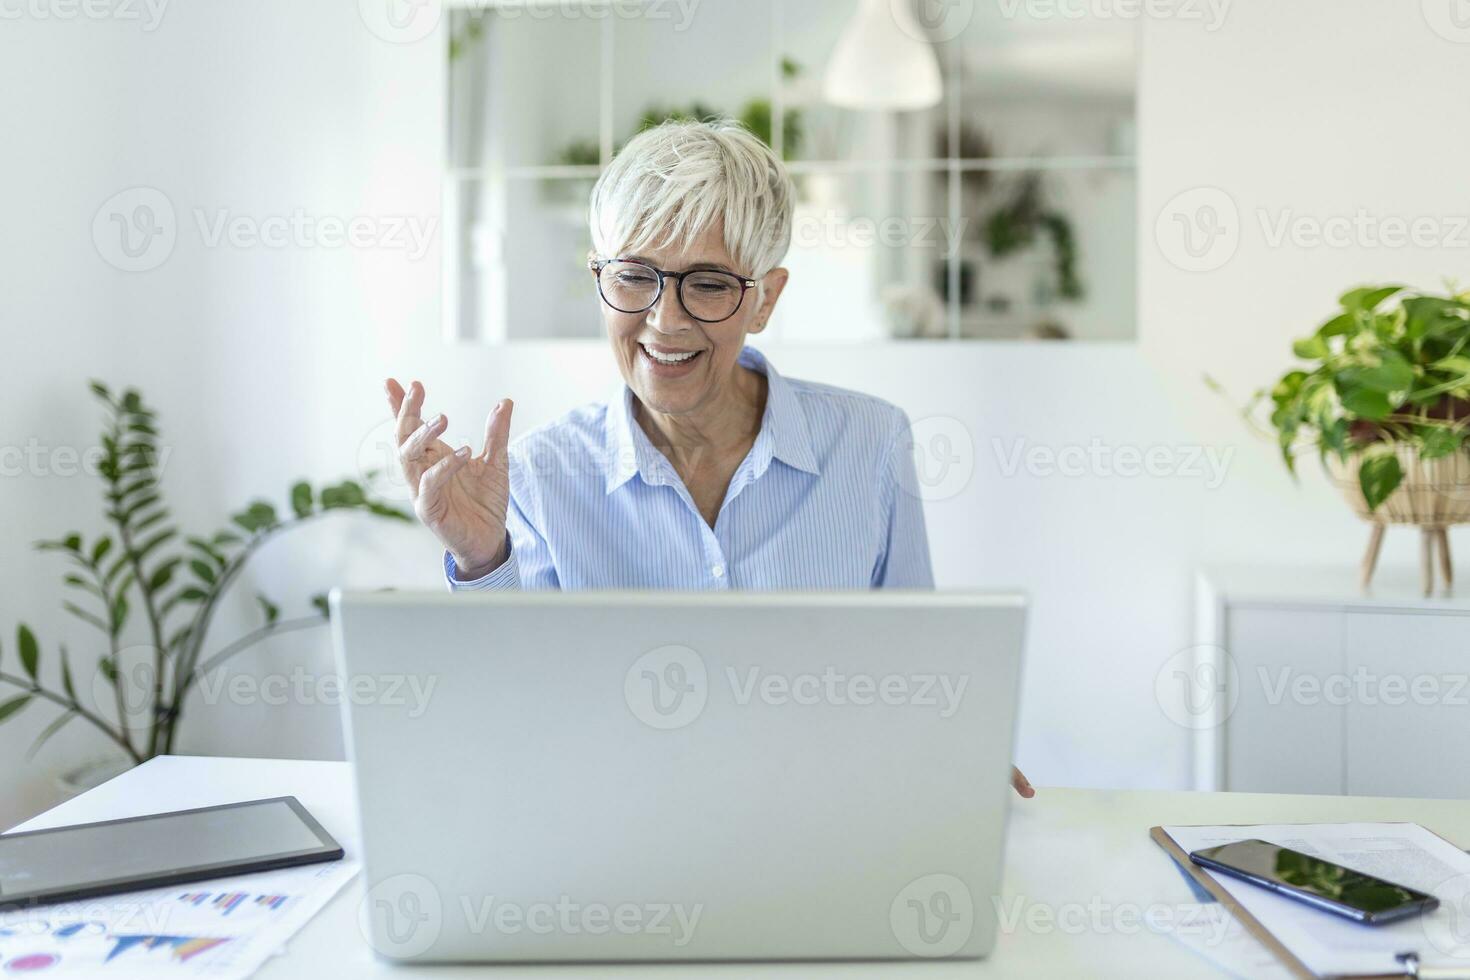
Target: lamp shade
883,61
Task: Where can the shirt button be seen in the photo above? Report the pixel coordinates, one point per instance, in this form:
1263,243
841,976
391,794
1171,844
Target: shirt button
718,571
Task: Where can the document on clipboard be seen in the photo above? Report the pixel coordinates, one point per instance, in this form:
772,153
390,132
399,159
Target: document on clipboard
1313,943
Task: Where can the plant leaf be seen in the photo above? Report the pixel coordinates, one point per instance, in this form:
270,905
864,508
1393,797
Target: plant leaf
100,549
30,651
1339,325
141,503
1378,477
1367,298
202,570
200,544
1311,349
85,616
344,494
257,517
301,501
386,510
1440,441
57,724
272,611
152,544
13,705
66,682
140,526
176,640
162,575
319,603
120,611
76,581
1425,316
1366,404
1392,373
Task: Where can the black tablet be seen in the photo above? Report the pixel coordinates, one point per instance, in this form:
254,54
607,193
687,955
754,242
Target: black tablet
42,867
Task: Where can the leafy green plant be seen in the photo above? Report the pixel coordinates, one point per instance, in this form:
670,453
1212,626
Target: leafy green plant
1389,369
141,571
1015,225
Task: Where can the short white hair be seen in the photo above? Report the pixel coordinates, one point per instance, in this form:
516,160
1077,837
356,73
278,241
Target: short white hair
674,182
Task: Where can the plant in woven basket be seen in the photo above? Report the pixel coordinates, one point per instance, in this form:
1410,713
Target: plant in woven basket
1384,400
1390,372
141,572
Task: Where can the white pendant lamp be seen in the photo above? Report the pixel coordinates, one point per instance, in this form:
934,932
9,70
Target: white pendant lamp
883,61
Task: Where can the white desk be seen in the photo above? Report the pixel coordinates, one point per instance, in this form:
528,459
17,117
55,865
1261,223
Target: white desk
1082,854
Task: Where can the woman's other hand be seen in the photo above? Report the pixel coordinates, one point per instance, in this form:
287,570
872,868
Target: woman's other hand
461,497
1021,783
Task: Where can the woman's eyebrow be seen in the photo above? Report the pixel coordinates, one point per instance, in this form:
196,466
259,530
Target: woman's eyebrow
692,267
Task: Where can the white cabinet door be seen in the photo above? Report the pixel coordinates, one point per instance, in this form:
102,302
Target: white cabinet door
1278,738
1408,714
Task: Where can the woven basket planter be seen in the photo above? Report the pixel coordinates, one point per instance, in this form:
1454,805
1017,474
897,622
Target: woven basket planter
1434,495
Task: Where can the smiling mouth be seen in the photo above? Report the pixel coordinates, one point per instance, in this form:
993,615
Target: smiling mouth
669,358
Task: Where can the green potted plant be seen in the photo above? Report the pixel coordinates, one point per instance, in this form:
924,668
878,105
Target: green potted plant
141,573
1384,400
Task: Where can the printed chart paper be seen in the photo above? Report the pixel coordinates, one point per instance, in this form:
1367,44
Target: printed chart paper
222,929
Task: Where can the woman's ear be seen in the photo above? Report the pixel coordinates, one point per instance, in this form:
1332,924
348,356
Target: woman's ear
771,287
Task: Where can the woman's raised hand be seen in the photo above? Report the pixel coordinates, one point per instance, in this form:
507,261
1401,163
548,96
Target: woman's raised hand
459,496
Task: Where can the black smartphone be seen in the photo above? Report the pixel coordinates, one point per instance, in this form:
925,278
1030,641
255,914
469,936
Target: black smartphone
42,867
1327,886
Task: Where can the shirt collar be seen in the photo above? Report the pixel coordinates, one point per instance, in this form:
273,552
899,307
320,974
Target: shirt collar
784,433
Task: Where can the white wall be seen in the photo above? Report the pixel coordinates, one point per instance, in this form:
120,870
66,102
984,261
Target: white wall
266,363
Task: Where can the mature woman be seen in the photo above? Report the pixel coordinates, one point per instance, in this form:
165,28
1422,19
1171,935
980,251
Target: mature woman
707,469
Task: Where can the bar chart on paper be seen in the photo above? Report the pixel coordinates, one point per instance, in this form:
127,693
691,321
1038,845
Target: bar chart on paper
227,902
222,931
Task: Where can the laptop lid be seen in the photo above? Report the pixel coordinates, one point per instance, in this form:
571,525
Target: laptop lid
649,776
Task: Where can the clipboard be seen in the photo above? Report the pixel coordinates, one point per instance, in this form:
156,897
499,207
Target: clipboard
1265,936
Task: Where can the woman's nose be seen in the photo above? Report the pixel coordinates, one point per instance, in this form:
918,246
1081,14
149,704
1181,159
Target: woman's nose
668,314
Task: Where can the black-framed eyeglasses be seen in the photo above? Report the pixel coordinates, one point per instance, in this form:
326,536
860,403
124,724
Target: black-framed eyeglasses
631,286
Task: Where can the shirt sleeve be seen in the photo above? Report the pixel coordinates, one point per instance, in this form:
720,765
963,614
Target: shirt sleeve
528,565
904,561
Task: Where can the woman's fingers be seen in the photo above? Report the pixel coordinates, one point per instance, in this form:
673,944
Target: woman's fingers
394,391
441,474
497,430
408,412
416,446
1021,783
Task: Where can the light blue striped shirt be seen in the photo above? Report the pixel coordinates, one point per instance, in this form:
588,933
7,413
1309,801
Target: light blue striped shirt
823,500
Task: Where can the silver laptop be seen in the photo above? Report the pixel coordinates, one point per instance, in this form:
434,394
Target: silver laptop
680,776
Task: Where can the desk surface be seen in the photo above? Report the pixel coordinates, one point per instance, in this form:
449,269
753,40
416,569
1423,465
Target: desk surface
1081,872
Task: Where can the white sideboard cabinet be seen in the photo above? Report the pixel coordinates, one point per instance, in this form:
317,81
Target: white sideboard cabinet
1325,688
